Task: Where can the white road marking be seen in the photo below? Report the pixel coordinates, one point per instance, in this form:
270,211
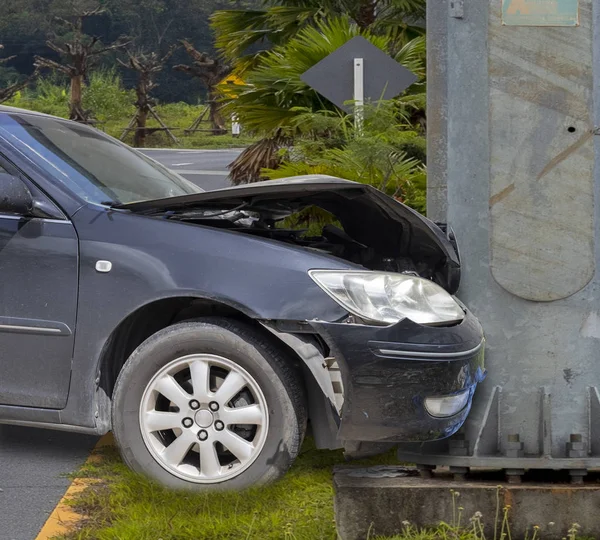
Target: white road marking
181,164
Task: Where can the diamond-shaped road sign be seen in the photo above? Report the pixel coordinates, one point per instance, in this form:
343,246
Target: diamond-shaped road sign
334,76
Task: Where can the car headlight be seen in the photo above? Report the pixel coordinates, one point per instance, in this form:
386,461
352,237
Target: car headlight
388,298
445,406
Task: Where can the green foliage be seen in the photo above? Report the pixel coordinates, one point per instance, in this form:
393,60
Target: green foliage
274,92
244,35
114,108
105,96
415,192
276,104
49,95
377,154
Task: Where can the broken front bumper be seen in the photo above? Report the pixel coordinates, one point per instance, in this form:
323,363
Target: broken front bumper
389,372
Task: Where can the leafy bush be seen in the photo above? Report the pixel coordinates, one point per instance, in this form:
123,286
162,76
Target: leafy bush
105,96
181,114
50,95
383,152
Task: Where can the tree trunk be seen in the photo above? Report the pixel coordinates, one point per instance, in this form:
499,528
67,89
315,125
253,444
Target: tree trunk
139,139
76,111
216,118
366,14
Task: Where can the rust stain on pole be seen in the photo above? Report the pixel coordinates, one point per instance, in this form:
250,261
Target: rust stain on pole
565,154
500,196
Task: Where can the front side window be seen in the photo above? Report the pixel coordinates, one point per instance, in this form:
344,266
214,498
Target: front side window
96,167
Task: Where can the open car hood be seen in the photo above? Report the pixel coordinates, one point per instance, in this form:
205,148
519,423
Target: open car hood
366,214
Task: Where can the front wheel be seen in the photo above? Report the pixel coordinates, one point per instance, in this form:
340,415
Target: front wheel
209,404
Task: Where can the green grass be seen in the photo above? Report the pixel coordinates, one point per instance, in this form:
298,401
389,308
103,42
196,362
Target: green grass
179,116
127,506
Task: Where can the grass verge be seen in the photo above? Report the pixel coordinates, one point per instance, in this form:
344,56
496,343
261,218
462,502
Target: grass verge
121,505
124,505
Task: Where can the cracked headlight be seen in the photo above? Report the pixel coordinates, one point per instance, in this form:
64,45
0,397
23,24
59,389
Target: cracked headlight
388,298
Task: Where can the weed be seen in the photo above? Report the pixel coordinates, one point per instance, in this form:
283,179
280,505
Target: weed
475,530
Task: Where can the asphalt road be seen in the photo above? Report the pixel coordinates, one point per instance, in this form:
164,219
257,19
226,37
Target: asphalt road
34,462
33,468
206,168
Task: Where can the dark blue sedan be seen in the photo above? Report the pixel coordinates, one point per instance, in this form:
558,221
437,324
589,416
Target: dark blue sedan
206,329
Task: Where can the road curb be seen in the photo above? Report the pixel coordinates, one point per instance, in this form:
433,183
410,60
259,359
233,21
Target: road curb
63,518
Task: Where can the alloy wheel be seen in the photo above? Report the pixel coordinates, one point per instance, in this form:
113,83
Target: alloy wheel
204,418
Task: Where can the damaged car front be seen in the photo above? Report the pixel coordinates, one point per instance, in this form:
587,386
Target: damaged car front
399,357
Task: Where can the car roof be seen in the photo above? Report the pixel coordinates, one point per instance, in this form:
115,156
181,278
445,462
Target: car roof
7,109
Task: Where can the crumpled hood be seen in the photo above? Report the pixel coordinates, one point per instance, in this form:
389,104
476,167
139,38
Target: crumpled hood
366,214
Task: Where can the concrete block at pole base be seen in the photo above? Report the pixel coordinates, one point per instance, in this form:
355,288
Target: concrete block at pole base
379,501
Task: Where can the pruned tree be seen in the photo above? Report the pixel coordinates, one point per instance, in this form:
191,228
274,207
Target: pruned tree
147,66
12,89
79,52
210,71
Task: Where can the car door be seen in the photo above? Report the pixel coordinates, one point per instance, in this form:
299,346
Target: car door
38,306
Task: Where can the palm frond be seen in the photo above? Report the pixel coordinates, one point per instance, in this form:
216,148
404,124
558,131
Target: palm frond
237,30
262,154
412,56
294,168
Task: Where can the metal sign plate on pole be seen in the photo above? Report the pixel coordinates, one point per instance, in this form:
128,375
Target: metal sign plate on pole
334,76
540,12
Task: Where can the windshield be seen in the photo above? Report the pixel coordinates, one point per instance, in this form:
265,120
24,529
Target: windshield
96,167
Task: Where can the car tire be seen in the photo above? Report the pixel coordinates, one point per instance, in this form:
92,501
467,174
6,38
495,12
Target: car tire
273,399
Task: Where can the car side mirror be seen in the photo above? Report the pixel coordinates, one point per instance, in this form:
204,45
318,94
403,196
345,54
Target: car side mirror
15,198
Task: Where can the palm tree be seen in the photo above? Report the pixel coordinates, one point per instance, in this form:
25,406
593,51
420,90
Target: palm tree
238,31
274,95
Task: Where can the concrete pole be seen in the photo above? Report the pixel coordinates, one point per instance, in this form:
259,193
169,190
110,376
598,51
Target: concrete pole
512,149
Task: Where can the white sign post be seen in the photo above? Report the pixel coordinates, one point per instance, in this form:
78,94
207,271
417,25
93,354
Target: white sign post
359,94
235,126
